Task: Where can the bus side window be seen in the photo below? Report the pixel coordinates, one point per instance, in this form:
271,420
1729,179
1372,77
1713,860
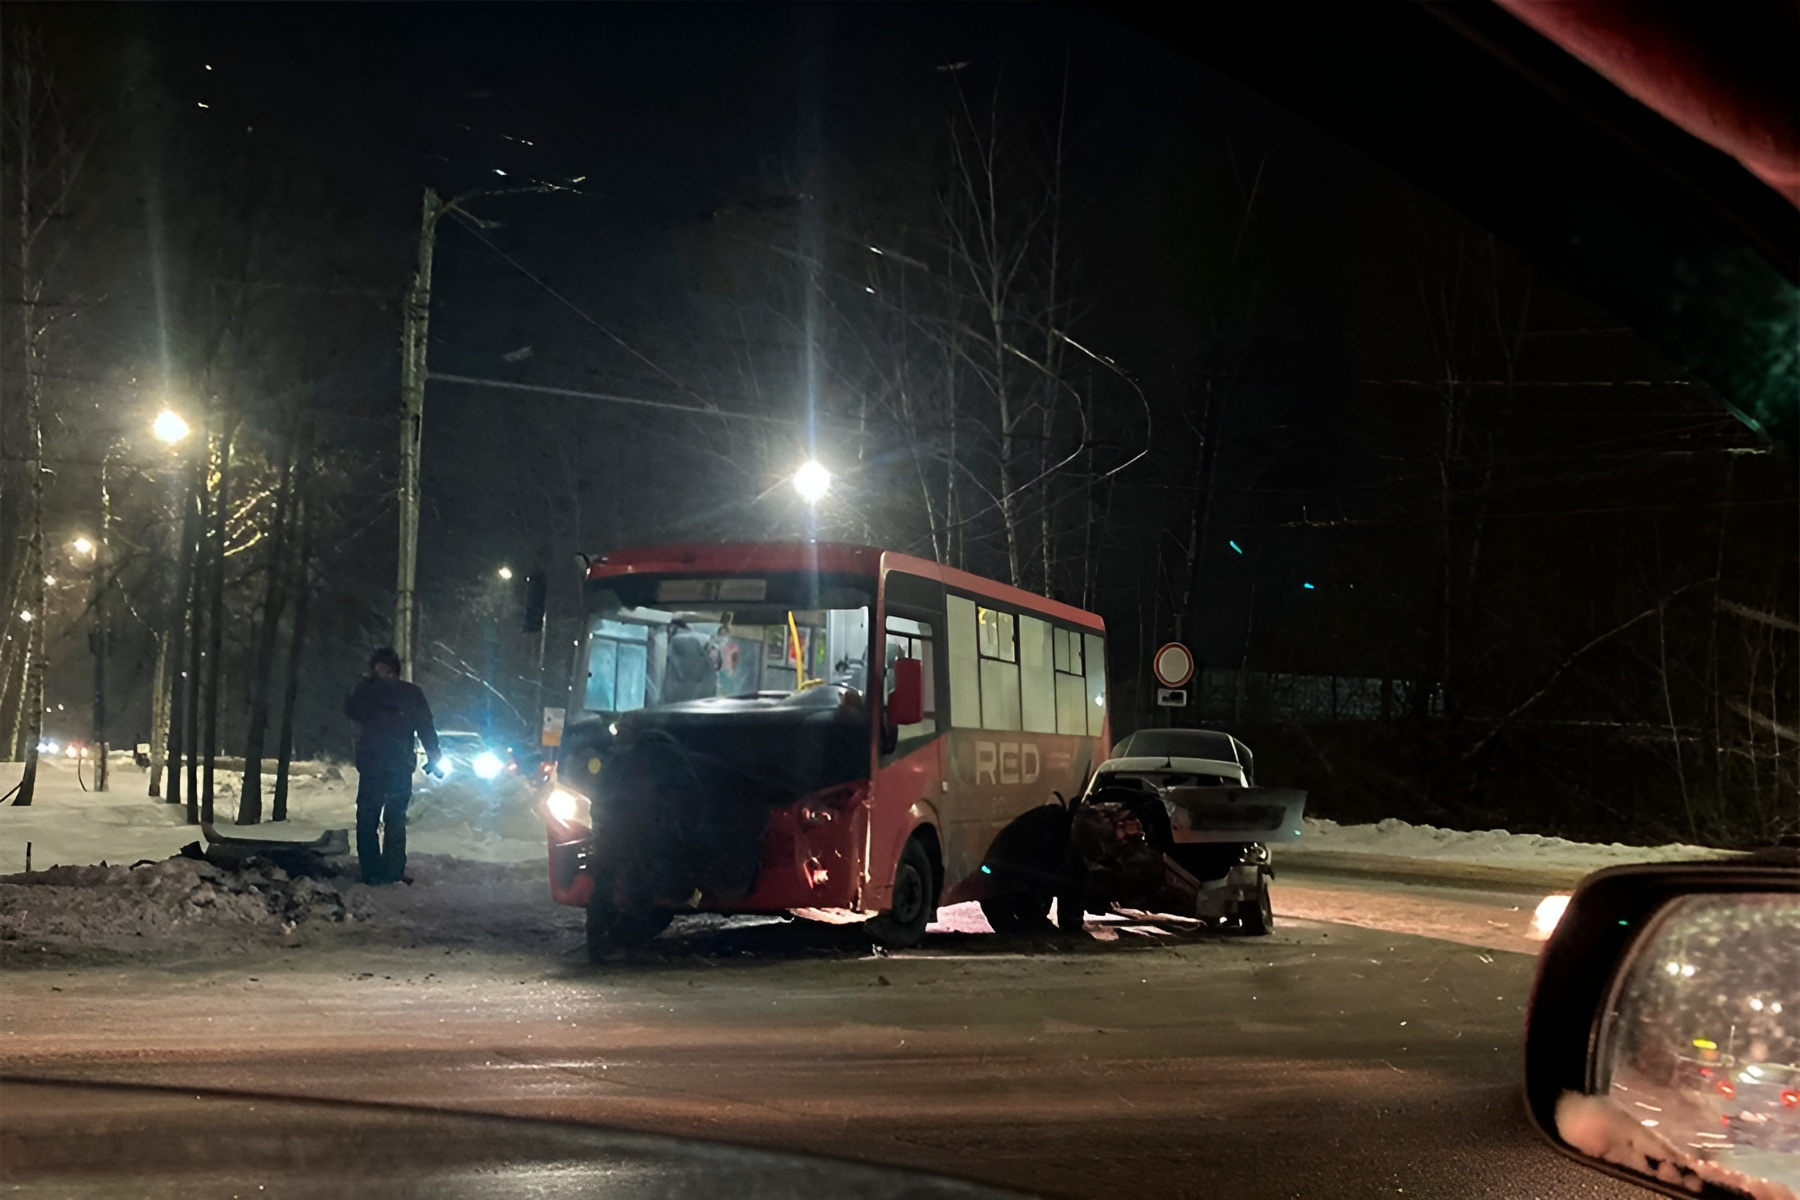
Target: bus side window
913,639
999,651
965,665
1037,686
1096,684
1071,684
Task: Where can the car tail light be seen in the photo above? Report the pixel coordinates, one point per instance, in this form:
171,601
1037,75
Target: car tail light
1790,1098
1725,1088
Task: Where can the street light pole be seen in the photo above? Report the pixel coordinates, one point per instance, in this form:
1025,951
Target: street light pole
413,347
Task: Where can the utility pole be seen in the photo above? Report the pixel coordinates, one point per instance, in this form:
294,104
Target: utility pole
1187,613
416,318
416,314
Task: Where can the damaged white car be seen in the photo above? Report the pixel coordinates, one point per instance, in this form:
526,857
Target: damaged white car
1174,823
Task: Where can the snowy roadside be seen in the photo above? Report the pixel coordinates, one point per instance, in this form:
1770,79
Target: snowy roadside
107,882
68,825
1480,856
182,910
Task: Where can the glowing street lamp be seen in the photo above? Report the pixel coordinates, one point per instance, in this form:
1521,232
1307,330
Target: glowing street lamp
812,481
504,572
83,546
169,427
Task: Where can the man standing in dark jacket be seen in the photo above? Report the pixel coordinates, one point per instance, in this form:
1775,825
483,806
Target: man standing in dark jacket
389,712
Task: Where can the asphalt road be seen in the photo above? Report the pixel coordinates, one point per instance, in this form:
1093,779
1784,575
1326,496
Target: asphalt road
1328,1060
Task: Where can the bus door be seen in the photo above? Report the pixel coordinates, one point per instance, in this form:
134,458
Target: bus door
910,768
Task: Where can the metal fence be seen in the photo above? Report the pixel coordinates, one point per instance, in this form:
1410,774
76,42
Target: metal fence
1263,696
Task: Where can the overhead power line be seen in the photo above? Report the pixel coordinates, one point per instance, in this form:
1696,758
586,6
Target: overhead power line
631,401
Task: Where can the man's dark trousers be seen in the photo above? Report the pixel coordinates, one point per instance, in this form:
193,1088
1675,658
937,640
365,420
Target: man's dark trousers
381,798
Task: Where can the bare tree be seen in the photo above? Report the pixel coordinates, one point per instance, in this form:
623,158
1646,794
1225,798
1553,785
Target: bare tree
48,147
216,549
302,588
274,595
178,630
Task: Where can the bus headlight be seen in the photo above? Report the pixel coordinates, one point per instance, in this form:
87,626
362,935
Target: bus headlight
571,808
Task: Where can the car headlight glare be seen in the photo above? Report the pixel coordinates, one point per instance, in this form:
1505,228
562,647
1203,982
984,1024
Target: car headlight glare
571,808
486,765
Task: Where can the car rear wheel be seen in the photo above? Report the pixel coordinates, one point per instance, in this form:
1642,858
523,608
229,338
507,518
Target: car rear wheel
1018,912
904,923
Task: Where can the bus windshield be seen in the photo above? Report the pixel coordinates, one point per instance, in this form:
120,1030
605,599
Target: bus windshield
661,642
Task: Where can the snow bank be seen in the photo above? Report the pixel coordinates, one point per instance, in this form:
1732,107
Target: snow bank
66,824
156,907
183,908
1494,847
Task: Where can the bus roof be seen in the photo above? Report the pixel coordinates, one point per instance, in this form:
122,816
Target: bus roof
740,556
837,557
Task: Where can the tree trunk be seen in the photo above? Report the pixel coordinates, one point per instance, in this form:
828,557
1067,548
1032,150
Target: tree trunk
216,622
159,713
101,633
28,100
953,530
31,691
302,593
11,665
12,657
33,697
250,792
1046,546
47,161
1088,548
196,632
181,608
1003,402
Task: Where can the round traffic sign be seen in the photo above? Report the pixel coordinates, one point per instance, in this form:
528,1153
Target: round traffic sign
1173,665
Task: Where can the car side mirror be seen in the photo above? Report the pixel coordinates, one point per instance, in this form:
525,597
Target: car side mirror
1662,1045
906,702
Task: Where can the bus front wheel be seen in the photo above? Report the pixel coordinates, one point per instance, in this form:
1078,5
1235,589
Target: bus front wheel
904,924
611,927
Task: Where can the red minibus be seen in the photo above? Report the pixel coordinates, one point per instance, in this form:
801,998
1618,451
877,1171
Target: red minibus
841,732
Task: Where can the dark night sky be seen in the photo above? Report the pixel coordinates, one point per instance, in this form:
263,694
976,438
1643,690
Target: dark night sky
671,110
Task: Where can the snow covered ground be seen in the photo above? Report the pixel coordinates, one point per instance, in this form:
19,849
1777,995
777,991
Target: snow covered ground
475,852
1490,847
69,825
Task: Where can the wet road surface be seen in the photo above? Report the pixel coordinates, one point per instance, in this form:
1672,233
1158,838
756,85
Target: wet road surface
1328,1060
